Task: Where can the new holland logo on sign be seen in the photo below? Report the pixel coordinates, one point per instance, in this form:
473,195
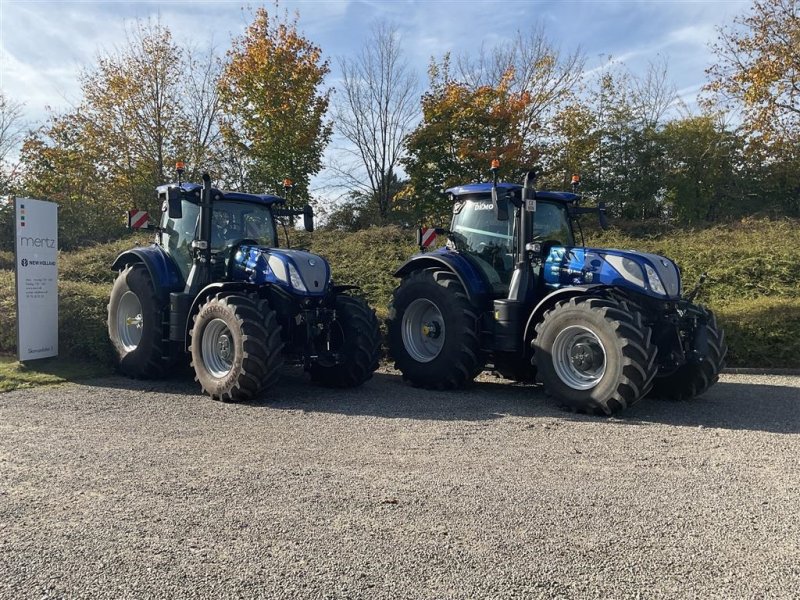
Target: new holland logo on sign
36,278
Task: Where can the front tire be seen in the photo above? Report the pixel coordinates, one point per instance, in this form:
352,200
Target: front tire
594,354
236,348
355,336
693,379
433,331
136,325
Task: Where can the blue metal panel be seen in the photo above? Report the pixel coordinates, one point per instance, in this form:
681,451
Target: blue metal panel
251,264
163,271
566,266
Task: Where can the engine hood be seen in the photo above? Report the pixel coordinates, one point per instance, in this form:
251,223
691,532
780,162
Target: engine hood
650,274
298,271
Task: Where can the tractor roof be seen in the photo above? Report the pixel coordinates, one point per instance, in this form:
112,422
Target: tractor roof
514,188
194,189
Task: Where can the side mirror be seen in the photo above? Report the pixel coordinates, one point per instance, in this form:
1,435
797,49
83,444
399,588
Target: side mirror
500,210
174,209
308,218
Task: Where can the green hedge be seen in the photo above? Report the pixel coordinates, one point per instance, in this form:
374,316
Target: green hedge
754,283
93,264
82,332
365,258
762,333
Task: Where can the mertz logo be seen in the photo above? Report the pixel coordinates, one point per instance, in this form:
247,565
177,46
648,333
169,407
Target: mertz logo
24,262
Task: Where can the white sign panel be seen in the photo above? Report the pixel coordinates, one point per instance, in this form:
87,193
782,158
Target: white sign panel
37,278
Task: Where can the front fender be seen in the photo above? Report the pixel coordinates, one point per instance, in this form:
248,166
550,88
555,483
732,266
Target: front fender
477,288
550,300
210,290
164,273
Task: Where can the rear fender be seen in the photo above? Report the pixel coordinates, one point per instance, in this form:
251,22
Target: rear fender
477,288
550,301
164,273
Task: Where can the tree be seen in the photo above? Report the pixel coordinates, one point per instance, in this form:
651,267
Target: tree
62,165
131,110
498,105
377,109
758,69
463,129
546,77
703,179
624,115
274,109
12,129
144,106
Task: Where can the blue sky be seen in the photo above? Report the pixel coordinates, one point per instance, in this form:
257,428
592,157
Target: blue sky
44,43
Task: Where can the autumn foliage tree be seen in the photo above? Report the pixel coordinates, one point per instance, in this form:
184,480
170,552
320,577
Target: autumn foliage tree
463,129
759,69
758,74
144,106
274,106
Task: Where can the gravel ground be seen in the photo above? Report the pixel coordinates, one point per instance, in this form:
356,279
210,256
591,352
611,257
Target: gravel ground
120,488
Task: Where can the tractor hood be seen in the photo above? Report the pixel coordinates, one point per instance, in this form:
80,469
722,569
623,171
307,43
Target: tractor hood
649,274
297,271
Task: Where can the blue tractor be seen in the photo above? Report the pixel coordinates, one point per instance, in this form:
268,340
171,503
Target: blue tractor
215,285
600,328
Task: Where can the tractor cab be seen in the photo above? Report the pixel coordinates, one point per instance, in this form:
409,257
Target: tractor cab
235,217
492,244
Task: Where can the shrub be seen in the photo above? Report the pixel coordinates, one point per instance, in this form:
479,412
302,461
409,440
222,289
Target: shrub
82,317
6,260
367,259
93,264
8,312
762,333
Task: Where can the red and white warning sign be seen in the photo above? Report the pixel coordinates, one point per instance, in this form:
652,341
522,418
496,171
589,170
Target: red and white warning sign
427,236
138,219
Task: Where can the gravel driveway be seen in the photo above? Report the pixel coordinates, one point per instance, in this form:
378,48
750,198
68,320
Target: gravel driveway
121,488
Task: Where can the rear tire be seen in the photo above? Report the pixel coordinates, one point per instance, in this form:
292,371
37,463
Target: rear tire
594,354
136,325
691,380
355,335
236,347
433,331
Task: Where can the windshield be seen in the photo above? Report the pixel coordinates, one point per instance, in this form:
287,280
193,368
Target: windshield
230,222
235,221
490,242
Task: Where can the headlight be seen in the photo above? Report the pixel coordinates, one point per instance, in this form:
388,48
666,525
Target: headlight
628,268
296,280
654,280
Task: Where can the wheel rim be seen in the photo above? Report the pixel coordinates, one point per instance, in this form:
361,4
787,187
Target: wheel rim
423,330
217,348
579,357
129,321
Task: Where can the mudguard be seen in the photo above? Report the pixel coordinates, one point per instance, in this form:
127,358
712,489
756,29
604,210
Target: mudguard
550,300
210,290
164,273
477,287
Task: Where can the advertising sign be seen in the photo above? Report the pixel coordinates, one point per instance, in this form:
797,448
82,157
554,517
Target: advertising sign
37,278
